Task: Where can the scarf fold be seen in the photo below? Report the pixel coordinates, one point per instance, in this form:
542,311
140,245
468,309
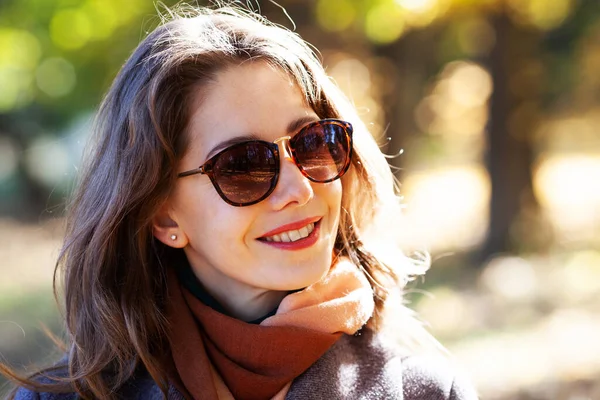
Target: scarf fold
219,357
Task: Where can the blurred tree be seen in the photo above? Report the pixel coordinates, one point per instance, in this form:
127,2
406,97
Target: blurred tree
58,56
414,64
410,33
514,116
532,66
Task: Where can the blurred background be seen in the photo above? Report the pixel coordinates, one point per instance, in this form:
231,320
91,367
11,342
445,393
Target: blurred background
495,104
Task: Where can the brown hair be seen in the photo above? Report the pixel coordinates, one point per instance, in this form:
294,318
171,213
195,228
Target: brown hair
114,284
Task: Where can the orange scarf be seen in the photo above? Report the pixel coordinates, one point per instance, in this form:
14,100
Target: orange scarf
218,357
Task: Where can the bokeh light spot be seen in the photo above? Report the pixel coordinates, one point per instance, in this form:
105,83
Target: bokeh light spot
9,92
70,29
335,15
56,77
447,207
352,76
19,49
457,104
513,278
16,88
540,13
385,23
469,84
19,54
103,17
581,276
47,161
418,6
567,188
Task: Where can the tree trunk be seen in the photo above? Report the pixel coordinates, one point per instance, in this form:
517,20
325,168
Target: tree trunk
414,59
514,117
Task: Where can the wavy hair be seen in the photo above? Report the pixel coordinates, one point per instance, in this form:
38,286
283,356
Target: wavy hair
113,269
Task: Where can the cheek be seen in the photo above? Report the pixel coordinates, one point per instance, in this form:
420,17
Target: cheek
195,210
334,194
210,223
225,224
331,195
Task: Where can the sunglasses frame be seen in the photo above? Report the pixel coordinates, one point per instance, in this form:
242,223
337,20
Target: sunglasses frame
207,167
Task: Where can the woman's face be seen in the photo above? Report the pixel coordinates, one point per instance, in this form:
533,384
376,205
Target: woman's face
226,245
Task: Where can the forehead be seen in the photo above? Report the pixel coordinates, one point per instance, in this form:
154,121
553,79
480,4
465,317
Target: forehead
253,98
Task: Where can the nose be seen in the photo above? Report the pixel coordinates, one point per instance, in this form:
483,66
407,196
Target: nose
292,188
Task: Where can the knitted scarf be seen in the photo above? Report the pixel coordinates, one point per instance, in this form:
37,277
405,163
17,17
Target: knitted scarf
218,357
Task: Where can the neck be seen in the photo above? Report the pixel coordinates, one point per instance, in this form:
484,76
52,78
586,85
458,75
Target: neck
251,305
227,295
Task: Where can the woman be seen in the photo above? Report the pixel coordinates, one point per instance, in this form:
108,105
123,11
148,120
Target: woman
225,240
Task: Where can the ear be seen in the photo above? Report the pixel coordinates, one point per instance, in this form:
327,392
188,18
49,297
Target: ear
165,229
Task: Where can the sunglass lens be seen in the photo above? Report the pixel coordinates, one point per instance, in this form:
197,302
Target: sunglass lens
245,173
322,150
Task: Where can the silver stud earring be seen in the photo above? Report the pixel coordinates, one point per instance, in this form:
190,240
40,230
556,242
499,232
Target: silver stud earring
173,237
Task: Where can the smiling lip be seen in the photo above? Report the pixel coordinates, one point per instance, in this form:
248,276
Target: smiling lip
291,227
300,244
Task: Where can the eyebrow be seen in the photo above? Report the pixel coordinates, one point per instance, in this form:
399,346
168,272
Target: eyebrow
291,128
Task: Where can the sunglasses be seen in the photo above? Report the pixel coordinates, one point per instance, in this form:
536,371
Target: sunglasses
246,173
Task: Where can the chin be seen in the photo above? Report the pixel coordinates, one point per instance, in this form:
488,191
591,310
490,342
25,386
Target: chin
308,277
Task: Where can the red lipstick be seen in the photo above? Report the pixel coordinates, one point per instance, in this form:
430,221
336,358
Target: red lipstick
291,227
298,244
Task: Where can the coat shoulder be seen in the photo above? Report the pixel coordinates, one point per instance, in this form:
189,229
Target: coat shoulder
24,393
370,365
27,394
421,377
433,378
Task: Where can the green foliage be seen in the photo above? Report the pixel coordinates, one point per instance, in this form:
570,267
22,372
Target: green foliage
61,54
336,15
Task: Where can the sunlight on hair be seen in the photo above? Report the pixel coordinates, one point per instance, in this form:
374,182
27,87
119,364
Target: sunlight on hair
356,80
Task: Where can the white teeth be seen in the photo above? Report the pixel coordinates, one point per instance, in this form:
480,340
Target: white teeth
303,232
292,236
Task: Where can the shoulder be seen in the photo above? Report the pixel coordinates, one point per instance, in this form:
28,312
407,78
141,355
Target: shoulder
46,377
432,378
140,386
23,393
26,394
421,377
